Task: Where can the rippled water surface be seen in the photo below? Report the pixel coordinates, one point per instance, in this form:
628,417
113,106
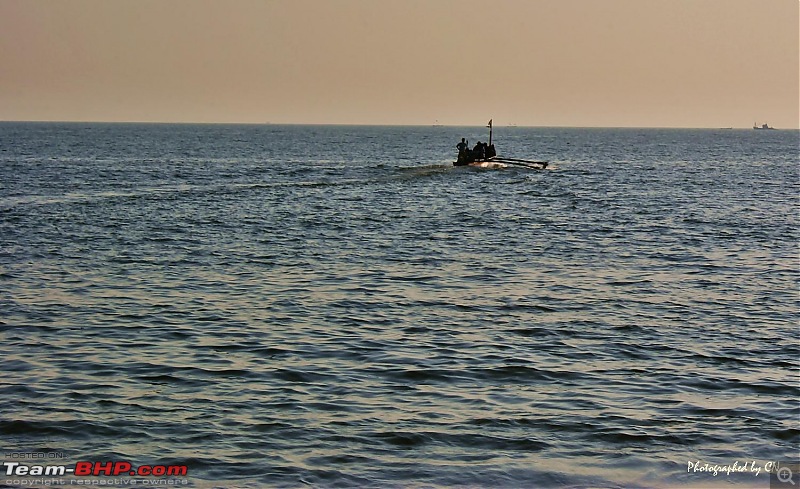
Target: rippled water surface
299,306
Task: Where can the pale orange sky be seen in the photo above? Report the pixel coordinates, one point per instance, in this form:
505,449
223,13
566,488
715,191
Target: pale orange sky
652,63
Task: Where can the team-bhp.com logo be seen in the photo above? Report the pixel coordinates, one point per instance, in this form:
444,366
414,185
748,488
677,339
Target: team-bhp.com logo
94,469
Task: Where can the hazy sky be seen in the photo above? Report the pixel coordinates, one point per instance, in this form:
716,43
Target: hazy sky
663,63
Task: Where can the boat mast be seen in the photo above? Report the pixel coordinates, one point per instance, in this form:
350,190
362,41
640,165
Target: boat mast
490,132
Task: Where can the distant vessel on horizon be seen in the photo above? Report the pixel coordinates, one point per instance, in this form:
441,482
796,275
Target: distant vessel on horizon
763,127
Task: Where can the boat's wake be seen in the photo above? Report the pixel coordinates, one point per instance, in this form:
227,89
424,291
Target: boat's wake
423,171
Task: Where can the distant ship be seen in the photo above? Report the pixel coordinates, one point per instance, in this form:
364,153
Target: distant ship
763,127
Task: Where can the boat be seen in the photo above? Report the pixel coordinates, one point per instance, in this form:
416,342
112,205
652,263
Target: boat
486,157
763,127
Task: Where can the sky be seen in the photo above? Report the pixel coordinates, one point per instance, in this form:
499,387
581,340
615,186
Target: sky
580,63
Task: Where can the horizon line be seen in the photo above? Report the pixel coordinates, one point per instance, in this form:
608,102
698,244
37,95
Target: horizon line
347,124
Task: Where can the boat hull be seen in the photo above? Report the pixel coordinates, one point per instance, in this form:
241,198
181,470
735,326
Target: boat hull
487,164
496,163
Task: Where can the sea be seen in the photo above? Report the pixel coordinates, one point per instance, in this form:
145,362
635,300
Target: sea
339,306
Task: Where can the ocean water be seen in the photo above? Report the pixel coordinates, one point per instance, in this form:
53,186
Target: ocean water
335,306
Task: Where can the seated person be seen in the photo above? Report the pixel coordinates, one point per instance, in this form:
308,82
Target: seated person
479,151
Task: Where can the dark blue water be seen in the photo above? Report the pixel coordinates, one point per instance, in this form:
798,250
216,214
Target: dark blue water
294,306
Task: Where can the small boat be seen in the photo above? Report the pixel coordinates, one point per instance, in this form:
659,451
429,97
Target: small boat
486,157
763,127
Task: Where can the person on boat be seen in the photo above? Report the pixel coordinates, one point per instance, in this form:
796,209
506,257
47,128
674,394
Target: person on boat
462,147
462,150
490,151
479,151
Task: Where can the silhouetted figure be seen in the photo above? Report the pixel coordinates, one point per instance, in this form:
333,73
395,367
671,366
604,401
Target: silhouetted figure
479,151
463,152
